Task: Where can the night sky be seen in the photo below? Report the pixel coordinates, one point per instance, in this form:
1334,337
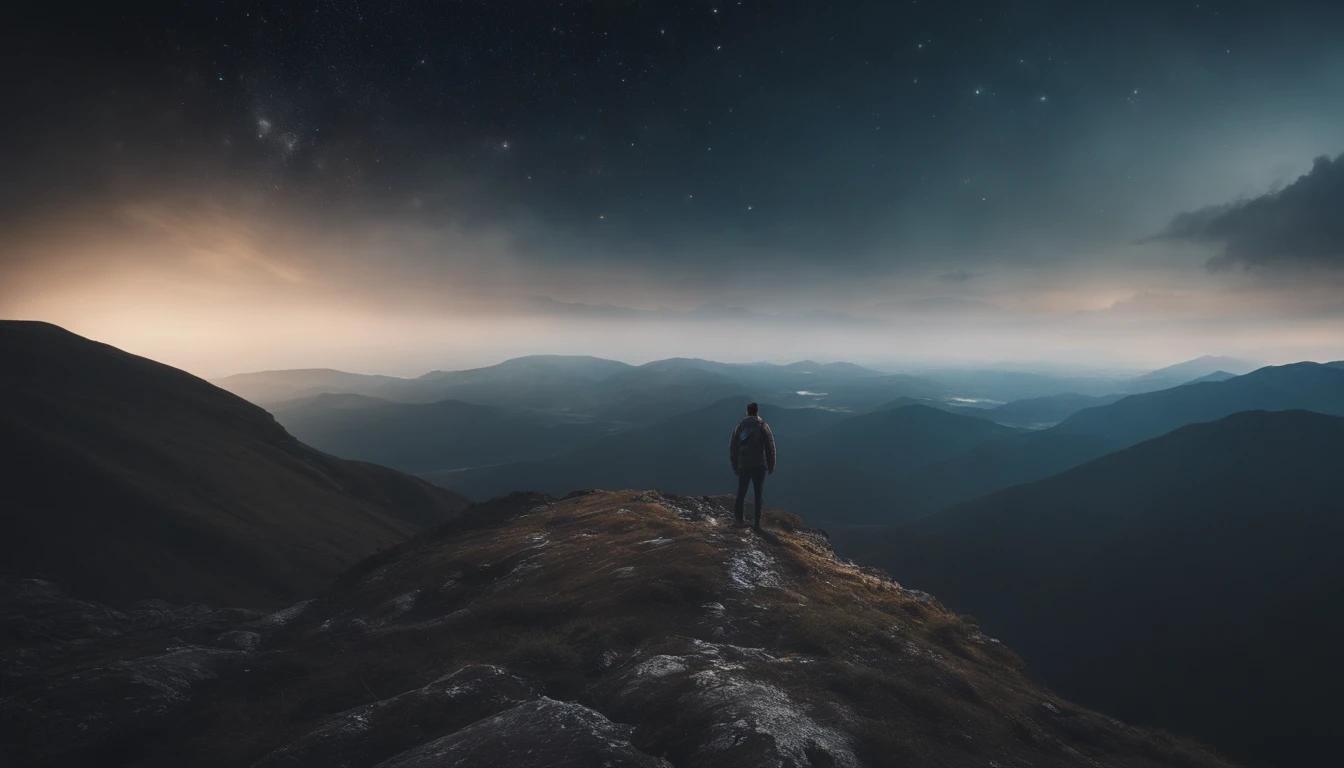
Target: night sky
403,186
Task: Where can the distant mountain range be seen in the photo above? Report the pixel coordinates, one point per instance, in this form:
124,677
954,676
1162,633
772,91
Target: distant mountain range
687,453
127,479
902,462
832,465
1094,432
1200,367
267,387
602,389
1305,386
1191,581
532,408
587,384
1167,555
425,437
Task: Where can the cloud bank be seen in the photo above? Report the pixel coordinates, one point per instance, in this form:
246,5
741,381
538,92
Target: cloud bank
1301,224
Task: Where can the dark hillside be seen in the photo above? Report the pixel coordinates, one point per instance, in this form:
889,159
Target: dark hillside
129,479
1192,581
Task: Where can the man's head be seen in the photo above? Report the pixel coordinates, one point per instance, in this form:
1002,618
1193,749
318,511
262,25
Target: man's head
752,409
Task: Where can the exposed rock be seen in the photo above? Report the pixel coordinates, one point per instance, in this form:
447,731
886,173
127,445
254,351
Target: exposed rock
611,628
366,735
557,734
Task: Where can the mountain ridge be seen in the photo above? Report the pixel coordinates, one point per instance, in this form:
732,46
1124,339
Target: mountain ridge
1186,581
697,645
130,475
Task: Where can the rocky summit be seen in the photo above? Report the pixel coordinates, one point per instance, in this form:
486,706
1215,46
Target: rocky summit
602,629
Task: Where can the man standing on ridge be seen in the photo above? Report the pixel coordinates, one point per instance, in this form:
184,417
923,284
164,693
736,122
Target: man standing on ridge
752,453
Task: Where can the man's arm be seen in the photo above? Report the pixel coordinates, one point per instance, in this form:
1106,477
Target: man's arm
734,448
769,448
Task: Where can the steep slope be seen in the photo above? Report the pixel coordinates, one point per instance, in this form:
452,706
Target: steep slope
130,479
1191,581
1305,386
614,629
895,441
415,437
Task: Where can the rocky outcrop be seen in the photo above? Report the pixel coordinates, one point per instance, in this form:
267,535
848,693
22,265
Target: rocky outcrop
616,629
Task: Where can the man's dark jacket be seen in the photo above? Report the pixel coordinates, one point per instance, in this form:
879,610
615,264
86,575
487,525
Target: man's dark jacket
763,456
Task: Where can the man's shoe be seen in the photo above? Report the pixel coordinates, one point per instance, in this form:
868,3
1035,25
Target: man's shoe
756,526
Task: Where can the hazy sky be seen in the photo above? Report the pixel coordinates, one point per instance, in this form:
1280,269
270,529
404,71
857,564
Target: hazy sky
395,187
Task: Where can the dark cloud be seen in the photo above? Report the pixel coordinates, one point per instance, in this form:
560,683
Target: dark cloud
1301,224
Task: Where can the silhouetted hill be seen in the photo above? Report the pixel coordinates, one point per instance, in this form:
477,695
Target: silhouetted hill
1192,581
1094,432
540,382
1197,368
1305,386
626,630
1040,412
428,437
129,479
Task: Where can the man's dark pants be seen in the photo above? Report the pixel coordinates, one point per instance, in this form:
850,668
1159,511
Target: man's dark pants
756,477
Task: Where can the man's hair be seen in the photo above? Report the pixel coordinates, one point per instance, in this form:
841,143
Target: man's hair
752,408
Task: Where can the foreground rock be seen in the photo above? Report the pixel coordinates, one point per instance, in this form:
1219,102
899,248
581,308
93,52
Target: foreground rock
616,629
